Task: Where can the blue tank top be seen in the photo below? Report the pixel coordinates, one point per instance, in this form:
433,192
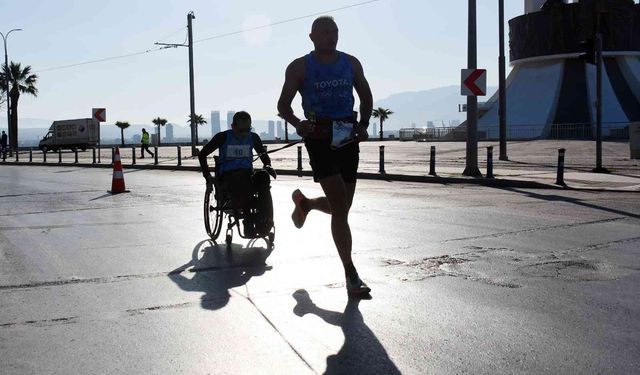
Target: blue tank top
236,153
328,88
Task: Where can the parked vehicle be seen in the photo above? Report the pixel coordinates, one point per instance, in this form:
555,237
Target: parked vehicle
71,134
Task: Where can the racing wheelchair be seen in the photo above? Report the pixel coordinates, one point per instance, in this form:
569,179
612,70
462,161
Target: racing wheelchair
219,203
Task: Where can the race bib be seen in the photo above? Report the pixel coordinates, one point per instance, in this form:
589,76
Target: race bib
342,134
238,152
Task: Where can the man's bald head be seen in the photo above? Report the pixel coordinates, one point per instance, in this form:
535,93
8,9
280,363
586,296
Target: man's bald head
322,20
324,34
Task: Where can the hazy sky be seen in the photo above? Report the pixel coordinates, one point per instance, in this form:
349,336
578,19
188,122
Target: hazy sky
404,45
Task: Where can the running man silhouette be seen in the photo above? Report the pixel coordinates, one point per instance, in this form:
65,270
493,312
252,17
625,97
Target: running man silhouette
325,78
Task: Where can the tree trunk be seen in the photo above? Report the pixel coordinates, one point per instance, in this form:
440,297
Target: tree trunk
122,136
13,141
158,135
381,121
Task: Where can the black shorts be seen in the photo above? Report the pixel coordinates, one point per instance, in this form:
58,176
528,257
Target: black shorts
326,162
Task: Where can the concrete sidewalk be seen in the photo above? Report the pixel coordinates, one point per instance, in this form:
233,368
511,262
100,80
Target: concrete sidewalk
531,163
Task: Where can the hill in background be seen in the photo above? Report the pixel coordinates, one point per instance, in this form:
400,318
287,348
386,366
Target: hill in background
439,105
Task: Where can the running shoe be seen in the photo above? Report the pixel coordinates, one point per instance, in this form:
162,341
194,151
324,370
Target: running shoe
299,214
355,285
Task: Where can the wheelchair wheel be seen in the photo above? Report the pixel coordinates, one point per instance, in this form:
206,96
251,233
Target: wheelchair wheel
213,212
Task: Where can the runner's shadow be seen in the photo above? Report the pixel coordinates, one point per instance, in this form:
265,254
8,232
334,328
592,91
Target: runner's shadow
214,270
362,352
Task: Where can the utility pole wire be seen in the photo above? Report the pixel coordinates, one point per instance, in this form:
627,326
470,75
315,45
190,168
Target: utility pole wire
168,45
284,21
102,60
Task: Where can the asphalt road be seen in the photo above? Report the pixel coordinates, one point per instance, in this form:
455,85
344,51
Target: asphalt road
465,279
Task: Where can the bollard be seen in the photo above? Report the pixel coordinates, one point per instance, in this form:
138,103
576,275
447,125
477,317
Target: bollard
299,161
30,154
113,155
432,162
94,155
44,156
59,156
133,155
381,160
17,155
76,152
560,178
489,161
179,155
155,155
99,155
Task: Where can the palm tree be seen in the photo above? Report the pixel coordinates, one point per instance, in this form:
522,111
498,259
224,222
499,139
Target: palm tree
21,81
382,114
158,122
199,121
122,125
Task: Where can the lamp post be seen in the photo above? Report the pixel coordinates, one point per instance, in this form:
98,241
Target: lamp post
7,79
471,168
503,93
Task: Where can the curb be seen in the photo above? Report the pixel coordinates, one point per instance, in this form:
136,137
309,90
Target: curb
481,181
489,182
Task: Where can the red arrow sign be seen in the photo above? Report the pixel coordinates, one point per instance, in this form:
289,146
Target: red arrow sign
100,114
474,82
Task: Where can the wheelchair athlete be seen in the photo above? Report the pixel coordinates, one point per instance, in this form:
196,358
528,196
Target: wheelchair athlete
236,174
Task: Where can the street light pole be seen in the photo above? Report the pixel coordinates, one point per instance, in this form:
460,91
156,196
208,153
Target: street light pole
471,168
192,102
7,79
502,77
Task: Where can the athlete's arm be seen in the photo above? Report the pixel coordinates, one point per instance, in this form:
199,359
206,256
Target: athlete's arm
215,143
366,98
259,147
364,91
294,77
264,157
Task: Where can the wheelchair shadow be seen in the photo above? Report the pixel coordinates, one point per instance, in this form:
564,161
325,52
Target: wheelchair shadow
214,270
362,352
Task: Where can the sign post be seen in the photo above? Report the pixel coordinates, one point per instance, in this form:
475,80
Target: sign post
100,115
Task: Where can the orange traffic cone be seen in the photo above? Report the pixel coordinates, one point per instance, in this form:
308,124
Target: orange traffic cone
117,183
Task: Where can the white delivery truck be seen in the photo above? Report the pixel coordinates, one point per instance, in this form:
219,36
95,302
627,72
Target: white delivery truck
71,134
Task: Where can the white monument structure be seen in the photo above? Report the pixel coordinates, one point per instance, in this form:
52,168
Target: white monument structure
550,90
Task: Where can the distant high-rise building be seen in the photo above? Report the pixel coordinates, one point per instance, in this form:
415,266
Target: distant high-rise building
455,123
230,118
168,131
375,129
430,124
215,122
280,129
413,125
272,134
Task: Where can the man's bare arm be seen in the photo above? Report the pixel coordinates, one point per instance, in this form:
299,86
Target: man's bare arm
292,81
364,91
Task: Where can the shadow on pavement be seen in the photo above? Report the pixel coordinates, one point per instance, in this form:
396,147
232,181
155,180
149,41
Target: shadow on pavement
214,270
576,201
362,352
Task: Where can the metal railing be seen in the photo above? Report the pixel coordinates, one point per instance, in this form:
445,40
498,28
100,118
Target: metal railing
577,131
